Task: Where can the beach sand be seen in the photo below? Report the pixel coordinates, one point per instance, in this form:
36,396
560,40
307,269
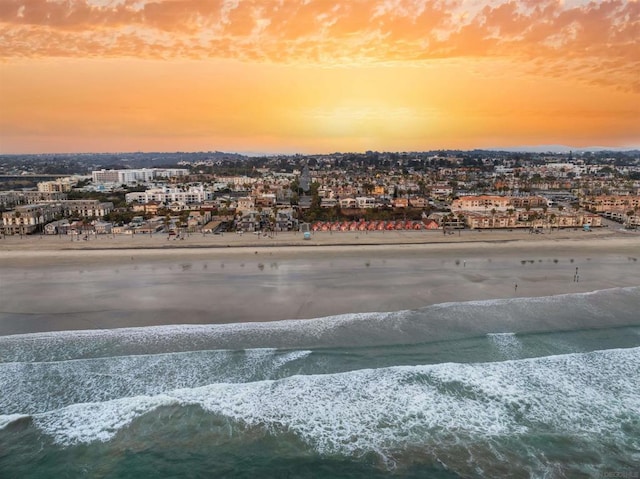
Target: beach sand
54,283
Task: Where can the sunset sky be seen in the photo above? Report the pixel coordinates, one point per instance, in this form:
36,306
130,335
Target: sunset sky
315,76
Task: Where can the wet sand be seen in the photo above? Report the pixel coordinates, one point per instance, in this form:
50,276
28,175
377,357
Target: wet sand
55,283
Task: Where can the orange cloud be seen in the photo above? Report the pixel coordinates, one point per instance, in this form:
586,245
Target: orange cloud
547,34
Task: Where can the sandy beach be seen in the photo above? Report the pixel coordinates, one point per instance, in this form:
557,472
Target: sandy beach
54,283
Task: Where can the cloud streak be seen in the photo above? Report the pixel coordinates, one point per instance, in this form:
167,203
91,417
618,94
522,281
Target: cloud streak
595,41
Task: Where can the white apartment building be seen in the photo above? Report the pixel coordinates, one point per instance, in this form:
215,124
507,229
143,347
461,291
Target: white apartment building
348,203
236,180
166,195
143,175
105,176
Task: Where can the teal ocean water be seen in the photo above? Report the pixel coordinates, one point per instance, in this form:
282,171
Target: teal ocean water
524,387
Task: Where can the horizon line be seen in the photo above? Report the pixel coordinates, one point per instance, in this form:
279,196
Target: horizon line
555,149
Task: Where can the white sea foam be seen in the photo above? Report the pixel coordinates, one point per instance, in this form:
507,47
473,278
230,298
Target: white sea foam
7,419
97,421
38,387
385,409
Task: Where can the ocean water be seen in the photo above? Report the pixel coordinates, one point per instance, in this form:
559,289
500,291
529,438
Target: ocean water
524,387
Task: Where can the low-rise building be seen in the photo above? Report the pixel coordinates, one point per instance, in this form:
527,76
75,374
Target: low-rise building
150,208
59,227
246,203
418,202
365,202
400,202
348,203
328,203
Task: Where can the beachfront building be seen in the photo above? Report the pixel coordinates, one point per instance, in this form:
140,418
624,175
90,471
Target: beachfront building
621,208
28,219
102,227
59,227
530,219
252,221
285,220
476,220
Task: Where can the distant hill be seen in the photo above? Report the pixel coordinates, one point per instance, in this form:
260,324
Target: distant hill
563,149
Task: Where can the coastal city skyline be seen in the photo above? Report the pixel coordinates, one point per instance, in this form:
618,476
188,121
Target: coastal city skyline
266,77
319,238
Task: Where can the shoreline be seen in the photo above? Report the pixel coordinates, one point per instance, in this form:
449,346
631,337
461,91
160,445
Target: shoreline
50,289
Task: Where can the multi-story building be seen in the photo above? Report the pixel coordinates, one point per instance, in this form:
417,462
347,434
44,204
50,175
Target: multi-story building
105,176
12,198
27,219
522,219
166,195
130,176
476,220
86,208
602,204
498,203
529,201
60,185
236,181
